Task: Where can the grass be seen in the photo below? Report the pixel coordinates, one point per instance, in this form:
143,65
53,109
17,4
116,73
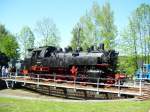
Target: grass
20,105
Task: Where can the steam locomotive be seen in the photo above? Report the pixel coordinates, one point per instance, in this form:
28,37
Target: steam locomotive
95,63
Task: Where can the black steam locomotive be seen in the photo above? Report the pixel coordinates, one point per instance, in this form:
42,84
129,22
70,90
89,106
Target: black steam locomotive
95,63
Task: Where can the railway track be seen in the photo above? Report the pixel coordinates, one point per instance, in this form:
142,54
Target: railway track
70,93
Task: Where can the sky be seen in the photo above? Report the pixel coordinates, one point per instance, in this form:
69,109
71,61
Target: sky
15,14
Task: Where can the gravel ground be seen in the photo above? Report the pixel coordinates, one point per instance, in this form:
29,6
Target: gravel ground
26,94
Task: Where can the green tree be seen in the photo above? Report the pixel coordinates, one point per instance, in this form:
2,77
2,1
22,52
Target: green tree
3,31
142,15
83,33
26,40
97,27
129,51
135,42
76,40
126,65
48,31
8,43
96,19
108,29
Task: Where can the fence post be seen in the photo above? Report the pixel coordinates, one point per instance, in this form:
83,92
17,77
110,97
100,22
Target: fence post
74,84
97,86
119,88
38,80
140,88
54,80
15,78
134,83
12,84
7,83
24,80
16,73
9,75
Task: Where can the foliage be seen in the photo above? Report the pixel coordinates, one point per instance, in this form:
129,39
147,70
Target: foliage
82,36
97,26
108,29
3,30
126,65
135,38
26,40
22,105
8,43
48,31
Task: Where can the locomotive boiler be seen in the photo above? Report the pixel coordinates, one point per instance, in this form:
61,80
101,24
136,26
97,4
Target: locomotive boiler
95,63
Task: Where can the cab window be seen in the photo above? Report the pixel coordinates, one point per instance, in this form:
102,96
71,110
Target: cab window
49,51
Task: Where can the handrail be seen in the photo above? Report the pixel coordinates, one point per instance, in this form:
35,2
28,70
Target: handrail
98,81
